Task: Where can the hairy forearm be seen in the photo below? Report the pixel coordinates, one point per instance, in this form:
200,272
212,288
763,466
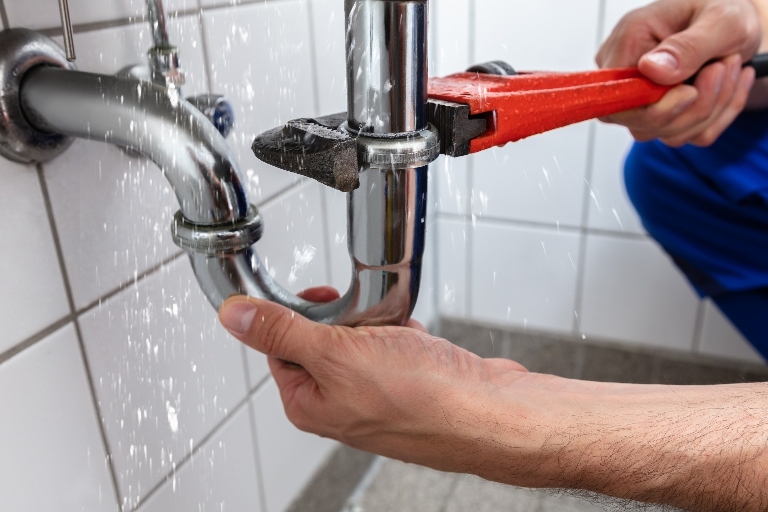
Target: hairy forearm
702,448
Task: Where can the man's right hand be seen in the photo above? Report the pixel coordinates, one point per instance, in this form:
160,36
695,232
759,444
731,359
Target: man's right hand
669,41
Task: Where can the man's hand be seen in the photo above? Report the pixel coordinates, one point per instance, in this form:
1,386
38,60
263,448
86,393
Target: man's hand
395,391
669,41
402,393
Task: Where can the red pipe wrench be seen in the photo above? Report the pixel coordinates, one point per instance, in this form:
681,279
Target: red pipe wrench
474,111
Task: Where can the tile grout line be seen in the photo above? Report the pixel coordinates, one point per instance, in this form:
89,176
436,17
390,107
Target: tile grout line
35,338
38,336
135,20
4,15
584,229
468,221
199,445
545,226
256,456
78,332
43,333
133,282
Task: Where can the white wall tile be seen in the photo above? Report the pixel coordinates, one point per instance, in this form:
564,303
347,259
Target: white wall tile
451,42
43,14
524,277
452,245
292,249
113,211
33,295
540,179
289,457
165,373
109,50
221,475
53,456
260,58
449,181
634,293
615,10
341,264
720,338
547,35
329,44
609,205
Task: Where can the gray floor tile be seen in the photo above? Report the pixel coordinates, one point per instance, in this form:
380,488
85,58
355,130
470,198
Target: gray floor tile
474,494
483,341
545,355
568,504
604,364
401,487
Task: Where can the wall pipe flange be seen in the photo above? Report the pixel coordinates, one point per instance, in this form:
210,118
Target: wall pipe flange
21,50
217,239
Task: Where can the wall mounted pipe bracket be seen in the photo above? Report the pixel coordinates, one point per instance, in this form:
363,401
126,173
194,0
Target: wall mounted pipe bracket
20,51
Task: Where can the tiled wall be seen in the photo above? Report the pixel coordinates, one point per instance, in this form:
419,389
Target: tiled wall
118,388
540,234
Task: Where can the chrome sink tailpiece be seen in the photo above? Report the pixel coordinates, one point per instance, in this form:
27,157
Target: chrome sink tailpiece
44,102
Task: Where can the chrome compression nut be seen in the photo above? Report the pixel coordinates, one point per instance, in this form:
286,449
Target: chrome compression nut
397,150
217,239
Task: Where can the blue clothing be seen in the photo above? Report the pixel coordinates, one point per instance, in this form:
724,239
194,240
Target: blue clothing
708,208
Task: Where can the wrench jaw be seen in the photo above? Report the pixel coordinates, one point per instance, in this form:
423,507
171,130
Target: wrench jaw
456,126
316,148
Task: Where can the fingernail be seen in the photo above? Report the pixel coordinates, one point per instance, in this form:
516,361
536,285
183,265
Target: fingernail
663,59
238,317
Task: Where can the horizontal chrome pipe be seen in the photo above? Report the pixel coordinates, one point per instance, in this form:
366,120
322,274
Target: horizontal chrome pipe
151,120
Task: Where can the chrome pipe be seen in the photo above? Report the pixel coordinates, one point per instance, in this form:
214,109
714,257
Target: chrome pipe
216,223
386,218
386,215
157,22
386,43
150,120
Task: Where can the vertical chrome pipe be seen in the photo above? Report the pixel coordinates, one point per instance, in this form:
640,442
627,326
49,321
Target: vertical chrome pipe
386,65
157,22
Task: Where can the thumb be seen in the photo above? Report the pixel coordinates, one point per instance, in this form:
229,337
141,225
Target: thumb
272,329
711,35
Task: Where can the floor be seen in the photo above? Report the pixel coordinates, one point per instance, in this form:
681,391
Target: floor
407,488
353,481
